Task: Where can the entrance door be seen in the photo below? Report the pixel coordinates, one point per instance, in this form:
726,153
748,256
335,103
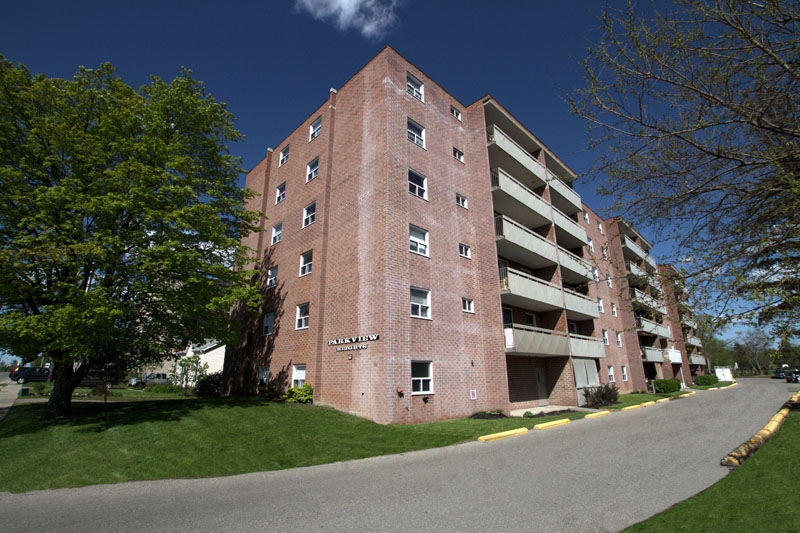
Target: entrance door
541,386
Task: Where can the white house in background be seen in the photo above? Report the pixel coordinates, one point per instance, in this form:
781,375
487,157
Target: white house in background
211,352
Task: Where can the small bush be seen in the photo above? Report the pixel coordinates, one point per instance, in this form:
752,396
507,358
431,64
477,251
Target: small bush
270,391
704,381
164,389
209,385
304,394
664,386
38,388
605,394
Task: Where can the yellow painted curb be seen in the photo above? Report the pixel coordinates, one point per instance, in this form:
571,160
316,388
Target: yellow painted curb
713,388
648,404
737,456
631,407
689,394
664,400
598,414
503,434
554,423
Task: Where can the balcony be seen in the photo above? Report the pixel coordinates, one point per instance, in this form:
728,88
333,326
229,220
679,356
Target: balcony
532,341
583,346
638,296
686,321
631,249
691,340
653,328
569,233
580,307
562,196
697,360
512,198
522,245
650,261
505,152
639,277
529,292
573,268
674,356
653,355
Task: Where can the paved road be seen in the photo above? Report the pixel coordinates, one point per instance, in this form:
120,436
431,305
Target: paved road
591,475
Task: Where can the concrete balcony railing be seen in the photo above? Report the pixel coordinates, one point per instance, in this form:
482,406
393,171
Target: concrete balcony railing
570,233
568,200
580,305
694,341
674,356
575,265
636,270
583,346
648,301
653,328
497,137
532,341
529,291
514,199
517,242
650,261
690,322
632,247
652,354
697,360
639,276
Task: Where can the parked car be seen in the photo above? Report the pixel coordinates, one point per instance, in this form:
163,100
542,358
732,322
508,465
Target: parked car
30,373
157,379
93,381
779,374
792,376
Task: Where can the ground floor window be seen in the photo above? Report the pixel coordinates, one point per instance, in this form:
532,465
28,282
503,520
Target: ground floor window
611,374
421,377
624,373
298,375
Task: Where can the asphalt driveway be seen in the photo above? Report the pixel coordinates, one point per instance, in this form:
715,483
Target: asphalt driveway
601,474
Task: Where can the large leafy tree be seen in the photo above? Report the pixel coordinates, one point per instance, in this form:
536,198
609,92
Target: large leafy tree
120,220
694,106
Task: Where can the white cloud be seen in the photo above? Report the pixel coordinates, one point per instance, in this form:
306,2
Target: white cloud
373,18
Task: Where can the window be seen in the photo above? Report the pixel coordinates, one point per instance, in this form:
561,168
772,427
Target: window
464,251
613,309
530,319
269,324
590,244
624,373
315,129
595,274
600,305
298,375
280,193
604,250
619,339
600,227
586,217
416,133
461,200
572,327
458,154
610,374
467,305
309,214
305,262
421,377
284,156
414,87
417,184
302,316
609,282
605,337
272,277
277,231
418,240
420,303
312,170
455,112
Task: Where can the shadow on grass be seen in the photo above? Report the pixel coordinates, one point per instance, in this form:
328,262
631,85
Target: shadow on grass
96,417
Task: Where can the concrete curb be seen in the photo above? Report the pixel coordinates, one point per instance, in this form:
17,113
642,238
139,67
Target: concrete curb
503,435
597,414
554,423
740,454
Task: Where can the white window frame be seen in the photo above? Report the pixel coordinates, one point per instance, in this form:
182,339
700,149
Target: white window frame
624,373
272,277
464,250
415,133
416,244
611,374
312,169
414,87
609,283
530,320
586,217
284,156
455,112
277,232
309,214
595,274
458,155
619,340
421,377
613,309
422,307
600,306
315,129
306,263
298,375
462,201
605,337
303,316
467,305
280,193
590,244
604,251
600,227
420,191
268,324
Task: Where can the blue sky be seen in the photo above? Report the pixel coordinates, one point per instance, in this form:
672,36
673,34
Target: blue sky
274,61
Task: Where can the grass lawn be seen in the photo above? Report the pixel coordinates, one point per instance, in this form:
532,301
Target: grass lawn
188,438
759,495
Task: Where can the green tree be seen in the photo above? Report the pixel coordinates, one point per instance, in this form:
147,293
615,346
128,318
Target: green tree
696,109
120,218
753,348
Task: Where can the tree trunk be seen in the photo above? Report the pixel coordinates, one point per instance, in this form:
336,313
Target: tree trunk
64,383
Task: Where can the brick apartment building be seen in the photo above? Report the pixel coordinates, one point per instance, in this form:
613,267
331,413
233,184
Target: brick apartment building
424,259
